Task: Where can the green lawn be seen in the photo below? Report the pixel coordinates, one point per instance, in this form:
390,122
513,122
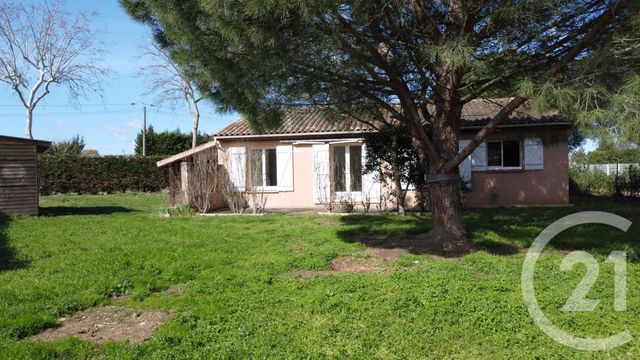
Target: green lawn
241,301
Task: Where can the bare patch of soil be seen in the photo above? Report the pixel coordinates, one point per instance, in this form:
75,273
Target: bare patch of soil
418,244
107,323
372,260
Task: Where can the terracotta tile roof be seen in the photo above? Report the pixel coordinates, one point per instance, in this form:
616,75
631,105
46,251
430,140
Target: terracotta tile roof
312,121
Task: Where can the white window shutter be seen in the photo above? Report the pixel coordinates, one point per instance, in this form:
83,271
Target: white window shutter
237,167
321,185
533,154
284,162
370,182
479,158
465,166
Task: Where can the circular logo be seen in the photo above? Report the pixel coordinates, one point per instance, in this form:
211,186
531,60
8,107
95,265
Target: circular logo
527,281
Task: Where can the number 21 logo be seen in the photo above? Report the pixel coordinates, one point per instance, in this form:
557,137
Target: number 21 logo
578,300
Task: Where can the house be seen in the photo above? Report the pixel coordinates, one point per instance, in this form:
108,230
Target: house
19,190
308,161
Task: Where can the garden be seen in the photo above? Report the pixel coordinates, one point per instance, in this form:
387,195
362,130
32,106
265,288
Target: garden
297,286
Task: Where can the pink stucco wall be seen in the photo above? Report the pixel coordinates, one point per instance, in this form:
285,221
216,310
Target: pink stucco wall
302,195
549,186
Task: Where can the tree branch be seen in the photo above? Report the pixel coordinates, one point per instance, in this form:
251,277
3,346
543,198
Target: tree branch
598,26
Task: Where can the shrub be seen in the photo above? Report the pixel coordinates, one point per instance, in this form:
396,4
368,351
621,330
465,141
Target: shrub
93,175
629,182
624,156
347,206
594,182
597,182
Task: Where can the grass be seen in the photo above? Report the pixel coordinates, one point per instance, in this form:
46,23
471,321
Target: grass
239,300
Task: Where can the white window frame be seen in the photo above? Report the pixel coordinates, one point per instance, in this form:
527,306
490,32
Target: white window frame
520,152
347,170
263,156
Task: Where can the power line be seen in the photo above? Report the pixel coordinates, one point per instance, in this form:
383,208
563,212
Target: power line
83,105
37,114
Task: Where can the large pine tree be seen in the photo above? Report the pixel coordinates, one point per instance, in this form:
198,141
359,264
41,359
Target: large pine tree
419,60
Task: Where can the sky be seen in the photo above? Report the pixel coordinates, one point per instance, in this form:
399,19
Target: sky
109,123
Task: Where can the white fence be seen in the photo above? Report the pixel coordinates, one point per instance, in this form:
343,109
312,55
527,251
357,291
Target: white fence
610,169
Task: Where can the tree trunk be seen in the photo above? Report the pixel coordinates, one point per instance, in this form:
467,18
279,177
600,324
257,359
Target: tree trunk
196,121
444,199
446,217
400,197
400,194
444,186
28,131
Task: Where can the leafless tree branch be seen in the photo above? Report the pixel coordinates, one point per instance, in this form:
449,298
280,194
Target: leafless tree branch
42,46
170,84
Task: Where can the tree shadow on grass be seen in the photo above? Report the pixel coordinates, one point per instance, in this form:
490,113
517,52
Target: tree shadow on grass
8,257
408,233
83,210
522,226
504,231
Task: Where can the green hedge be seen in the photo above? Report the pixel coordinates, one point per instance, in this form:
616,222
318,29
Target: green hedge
598,183
94,175
623,156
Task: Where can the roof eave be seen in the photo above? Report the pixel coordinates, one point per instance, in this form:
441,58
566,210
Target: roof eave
524,125
291,135
187,153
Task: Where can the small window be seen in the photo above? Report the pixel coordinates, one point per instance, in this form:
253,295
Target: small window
494,153
347,168
264,167
511,153
503,154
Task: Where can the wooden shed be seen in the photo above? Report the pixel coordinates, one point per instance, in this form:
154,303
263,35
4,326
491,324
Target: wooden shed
19,190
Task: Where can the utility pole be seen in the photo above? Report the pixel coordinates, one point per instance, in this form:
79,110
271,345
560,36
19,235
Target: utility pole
144,125
144,131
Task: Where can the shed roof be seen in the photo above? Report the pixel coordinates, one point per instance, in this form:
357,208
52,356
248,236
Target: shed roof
185,154
41,145
311,121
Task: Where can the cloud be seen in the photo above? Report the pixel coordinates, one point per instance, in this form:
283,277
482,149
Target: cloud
124,131
62,123
124,134
133,124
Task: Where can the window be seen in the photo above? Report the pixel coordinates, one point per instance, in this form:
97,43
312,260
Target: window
503,154
264,167
347,168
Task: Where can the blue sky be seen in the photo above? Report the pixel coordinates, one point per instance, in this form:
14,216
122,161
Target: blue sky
108,125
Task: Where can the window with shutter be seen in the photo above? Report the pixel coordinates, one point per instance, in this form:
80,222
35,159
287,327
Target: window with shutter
504,155
533,154
271,169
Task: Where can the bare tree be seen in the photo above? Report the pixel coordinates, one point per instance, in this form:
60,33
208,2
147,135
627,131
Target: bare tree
256,195
42,46
205,179
170,84
325,196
